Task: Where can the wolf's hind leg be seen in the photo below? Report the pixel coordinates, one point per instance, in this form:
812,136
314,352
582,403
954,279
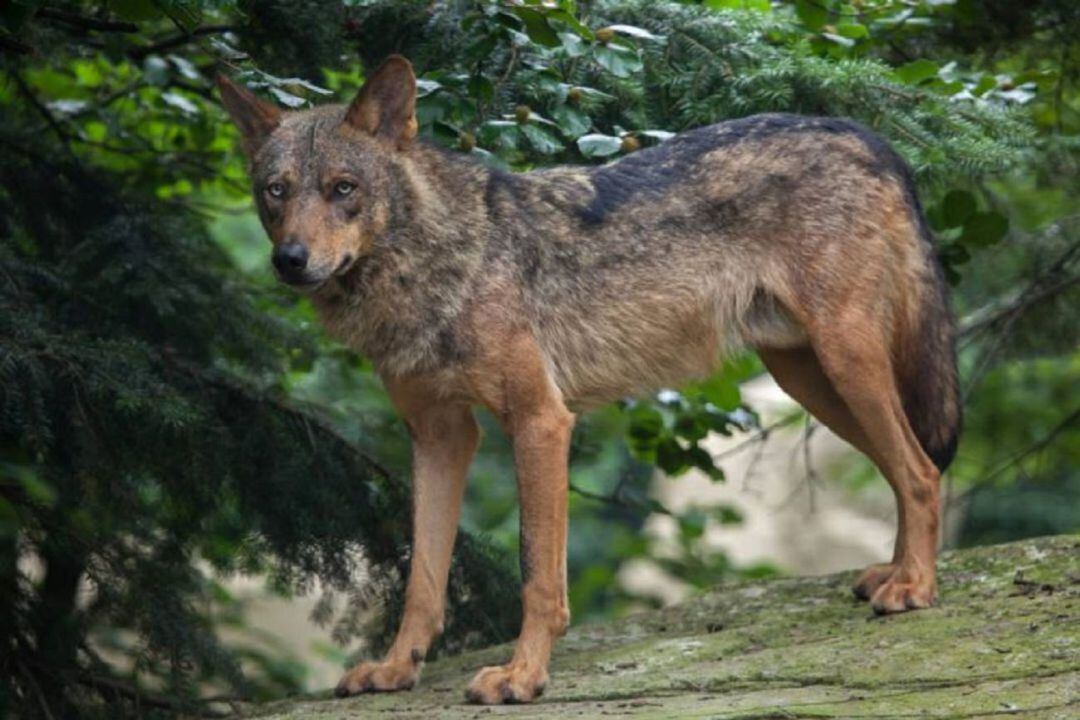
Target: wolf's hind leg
854,355
799,373
444,441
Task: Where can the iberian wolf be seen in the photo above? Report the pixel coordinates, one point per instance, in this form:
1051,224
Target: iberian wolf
541,294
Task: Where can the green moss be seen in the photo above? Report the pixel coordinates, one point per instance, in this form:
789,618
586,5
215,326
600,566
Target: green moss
1005,639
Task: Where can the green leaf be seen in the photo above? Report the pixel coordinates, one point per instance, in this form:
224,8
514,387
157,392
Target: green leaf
426,87
618,60
287,98
38,490
947,88
812,13
541,140
134,10
917,71
636,32
692,524
986,83
758,5
181,103
646,423
572,22
499,134
838,39
855,31
660,135
571,121
573,45
727,515
597,145
692,426
670,457
703,461
156,70
537,28
985,228
721,391
957,207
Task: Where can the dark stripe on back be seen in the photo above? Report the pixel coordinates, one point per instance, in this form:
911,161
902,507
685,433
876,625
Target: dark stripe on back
654,171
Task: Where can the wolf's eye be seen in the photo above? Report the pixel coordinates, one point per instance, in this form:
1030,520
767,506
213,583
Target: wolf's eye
276,190
343,188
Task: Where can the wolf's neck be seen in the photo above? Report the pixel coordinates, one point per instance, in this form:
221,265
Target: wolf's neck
402,305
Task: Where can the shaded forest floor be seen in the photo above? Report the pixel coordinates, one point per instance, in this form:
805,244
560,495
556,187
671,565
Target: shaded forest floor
1004,640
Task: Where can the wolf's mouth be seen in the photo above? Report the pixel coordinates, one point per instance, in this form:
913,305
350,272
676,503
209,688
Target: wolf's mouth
344,265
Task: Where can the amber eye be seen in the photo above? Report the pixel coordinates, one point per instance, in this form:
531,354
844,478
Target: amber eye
276,190
343,188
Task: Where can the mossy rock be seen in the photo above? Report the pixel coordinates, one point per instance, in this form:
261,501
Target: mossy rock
1003,640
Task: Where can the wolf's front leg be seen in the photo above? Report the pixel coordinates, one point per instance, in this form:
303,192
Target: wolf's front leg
444,441
541,436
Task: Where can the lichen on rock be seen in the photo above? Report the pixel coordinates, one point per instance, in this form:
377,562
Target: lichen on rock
1003,640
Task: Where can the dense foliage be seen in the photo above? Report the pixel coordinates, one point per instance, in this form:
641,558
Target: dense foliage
168,416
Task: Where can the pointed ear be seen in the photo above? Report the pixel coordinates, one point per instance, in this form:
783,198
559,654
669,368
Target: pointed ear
386,105
256,118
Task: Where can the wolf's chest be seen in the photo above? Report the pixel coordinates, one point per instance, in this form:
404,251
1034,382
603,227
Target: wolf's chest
402,333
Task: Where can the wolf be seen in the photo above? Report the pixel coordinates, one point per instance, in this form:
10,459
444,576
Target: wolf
541,294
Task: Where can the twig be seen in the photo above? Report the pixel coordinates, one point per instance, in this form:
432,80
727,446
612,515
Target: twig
87,23
1036,446
15,47
617,498
50,120
972,324
812,478
37,691
759,436
1012,314
179,39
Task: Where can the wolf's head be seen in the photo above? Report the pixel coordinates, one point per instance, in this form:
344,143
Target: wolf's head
322,177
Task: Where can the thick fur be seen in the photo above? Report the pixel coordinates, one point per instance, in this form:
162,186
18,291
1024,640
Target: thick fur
543,293
717,230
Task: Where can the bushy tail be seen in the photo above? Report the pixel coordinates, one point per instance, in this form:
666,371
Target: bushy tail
928,379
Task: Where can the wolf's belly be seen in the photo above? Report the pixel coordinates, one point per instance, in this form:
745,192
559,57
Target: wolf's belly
601,352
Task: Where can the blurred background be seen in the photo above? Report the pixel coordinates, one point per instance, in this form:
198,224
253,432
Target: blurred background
204,501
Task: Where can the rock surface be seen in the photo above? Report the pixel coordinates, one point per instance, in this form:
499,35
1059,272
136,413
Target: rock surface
1003,640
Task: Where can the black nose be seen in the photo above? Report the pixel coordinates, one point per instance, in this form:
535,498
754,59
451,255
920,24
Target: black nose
290,258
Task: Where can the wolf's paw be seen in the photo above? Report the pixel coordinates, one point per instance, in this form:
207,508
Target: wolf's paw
904,590
513,683
378,677
871,579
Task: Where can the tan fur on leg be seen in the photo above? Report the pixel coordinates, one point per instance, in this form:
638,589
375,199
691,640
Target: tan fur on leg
444,441
856,360
799,373
540,426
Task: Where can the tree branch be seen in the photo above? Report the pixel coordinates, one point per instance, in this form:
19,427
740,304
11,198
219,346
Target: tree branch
86,23
179,39
1034,447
